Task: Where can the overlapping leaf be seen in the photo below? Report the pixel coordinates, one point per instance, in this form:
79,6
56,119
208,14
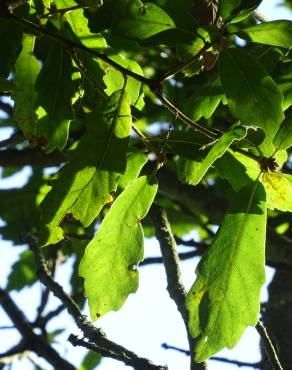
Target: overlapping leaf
79,26
225,298
27,69
277,33
236,10
55,90
146,22
192,172
135,162
237,169
114,80
205,100
283,138
109,265
252,95
86,184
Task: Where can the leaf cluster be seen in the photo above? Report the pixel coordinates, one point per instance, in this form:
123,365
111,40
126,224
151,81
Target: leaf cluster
125,92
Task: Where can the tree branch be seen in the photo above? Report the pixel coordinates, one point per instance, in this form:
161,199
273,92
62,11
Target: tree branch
182,257
94,334
32,341
153,84
259,16
171,263
128,357
269,347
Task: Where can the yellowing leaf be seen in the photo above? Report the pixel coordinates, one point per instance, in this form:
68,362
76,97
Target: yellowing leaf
279,190
109,265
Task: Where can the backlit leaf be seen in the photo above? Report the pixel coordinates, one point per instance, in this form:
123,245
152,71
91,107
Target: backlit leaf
283,138
277,33
205,100
225,298
55,90
253,96
146,22
109,265
90,361
135,162
278,187
86,184
114,79
192,172
79,26
23,272
236,10
27,69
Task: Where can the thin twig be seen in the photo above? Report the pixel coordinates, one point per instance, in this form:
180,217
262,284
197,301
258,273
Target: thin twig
42,321
269,347
255,365
259,16
94,334
129,358
14,139
152,84
171,263
63,10
182,257
146,141
32,341
84,72
179,114
15,350
183,66
69,44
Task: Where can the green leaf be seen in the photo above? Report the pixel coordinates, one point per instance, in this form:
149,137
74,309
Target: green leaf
135,162
87,182
225,298
192,172
79,26
283,138
205,100
236,10
184,143
90,361
114,79
278,187
252,95
109,265
146,23
55,90
27,69
23,272
285,85
238,169
277,33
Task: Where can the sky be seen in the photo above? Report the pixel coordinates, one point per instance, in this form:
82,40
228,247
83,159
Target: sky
148,318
